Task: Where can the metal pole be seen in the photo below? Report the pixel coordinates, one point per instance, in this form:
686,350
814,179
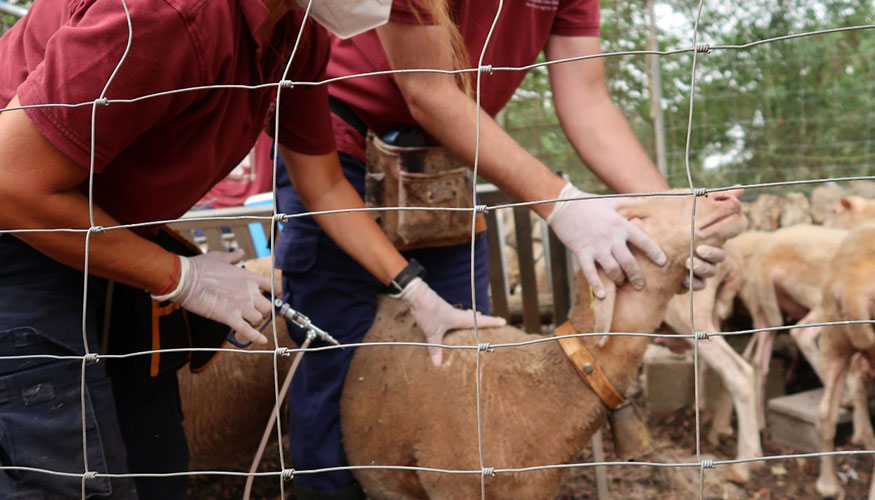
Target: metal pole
13,10
656,96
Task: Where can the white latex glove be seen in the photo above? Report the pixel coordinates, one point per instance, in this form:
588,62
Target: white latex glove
704,265
212,286
597,234
436,317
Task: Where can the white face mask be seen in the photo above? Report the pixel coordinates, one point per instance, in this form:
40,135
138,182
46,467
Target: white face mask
346,18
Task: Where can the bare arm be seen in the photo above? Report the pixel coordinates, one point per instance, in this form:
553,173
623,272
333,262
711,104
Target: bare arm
591,121
322,186
441,108
38,190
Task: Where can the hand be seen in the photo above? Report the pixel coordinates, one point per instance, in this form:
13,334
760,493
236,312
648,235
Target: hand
704,265
597,234
435,317
212,286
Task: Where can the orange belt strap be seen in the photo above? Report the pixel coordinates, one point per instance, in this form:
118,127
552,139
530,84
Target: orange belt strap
586,366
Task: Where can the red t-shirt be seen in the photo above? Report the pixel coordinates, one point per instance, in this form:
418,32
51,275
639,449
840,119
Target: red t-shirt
251,176
155,158
521,34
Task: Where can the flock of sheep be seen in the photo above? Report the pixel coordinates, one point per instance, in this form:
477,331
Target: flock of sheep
535,410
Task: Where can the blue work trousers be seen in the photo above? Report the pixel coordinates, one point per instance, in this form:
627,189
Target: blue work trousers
40,409
321,281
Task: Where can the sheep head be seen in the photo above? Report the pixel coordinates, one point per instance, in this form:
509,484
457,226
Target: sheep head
666,219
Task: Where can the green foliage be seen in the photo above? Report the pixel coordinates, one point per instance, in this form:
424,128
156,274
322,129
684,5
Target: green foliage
796,109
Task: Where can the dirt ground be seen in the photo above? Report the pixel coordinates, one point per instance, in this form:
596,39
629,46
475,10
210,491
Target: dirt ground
674,436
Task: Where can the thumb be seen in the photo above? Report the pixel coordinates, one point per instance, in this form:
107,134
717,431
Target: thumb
233,257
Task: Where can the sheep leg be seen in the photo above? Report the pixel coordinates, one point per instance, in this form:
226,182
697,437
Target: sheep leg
858,378
806,339
762,358
827,484
738,378
721,423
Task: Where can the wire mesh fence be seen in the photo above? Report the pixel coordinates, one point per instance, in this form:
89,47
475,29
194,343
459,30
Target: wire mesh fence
729,116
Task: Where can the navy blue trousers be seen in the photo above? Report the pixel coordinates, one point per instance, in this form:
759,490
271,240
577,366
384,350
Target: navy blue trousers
40,410
340,296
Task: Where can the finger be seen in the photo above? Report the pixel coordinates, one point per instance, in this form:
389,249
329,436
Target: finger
253,316
263,282
242,328
233,257
630,266
261,303
592,277
486,321
643,242
711,254
701,268
698,284
436,355
611,267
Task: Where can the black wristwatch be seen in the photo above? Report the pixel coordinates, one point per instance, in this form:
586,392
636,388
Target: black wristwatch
409,273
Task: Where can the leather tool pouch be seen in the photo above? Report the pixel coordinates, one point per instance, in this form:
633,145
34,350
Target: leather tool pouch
138,323
418,177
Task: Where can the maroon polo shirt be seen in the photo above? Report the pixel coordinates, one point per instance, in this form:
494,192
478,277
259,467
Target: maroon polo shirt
155,158
521,34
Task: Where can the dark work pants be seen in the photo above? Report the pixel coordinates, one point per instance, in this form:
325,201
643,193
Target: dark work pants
340,296
40,410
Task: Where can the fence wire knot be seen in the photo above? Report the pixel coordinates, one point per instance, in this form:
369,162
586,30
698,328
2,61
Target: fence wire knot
707,463
287,84
283,351
96,229
90,475
91,357
703,48
288,474
702,335
101,101
700,192
481,209
488,471
486,69
484,347
280,217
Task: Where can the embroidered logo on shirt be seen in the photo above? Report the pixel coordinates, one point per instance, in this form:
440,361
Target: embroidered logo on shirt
543,4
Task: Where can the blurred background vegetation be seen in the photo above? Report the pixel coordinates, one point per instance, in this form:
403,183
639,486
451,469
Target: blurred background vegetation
797,109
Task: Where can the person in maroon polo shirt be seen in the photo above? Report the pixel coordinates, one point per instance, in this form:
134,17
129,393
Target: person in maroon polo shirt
417,108
153,159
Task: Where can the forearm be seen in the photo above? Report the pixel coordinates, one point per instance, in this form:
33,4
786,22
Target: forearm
38,191
117,254
448,115
322,186
606,143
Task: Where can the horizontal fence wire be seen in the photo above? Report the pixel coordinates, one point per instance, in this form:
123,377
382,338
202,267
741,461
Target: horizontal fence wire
94,231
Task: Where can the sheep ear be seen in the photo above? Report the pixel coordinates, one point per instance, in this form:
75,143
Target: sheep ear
603,311
850,204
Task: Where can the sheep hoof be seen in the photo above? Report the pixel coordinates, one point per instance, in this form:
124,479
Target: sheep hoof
738,473
828,488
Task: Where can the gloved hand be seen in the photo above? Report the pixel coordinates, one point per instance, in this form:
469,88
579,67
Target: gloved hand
435,316
704,265
596,233
212,286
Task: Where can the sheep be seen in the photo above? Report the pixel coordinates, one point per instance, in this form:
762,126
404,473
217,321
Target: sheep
399,409
711,305
783,277
228,403
848,295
